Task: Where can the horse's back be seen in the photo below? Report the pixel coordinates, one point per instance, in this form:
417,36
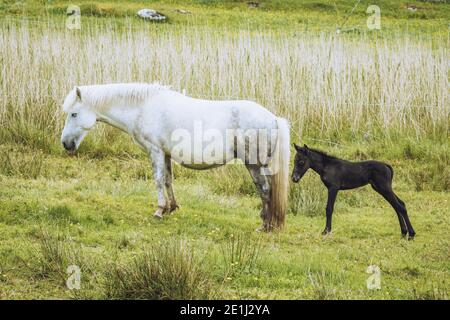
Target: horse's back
378,169
218,114
173,115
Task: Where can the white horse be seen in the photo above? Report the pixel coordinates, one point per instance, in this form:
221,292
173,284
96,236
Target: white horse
163,122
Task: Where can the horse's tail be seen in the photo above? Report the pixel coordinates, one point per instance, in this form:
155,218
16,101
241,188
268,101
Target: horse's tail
280,178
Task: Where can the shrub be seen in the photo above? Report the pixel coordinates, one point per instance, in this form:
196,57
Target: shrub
323,284
55,254
165,271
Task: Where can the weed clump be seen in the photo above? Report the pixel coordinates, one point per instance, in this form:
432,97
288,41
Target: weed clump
165,271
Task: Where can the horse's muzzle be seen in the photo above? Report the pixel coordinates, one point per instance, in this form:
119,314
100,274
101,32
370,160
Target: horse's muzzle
69,146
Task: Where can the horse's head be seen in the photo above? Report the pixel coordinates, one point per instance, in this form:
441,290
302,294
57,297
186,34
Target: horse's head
301,162
80,119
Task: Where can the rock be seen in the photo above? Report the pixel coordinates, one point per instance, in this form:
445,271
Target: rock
150,14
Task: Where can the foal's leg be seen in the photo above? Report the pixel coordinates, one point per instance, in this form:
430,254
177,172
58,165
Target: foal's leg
157,156
401,202
263,186
385,189
168,183
332,193
396,207
411,231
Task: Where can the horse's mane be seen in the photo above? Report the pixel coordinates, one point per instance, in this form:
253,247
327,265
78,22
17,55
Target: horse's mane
323,153
100,96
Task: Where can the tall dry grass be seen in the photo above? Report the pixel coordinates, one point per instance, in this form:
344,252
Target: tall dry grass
324,83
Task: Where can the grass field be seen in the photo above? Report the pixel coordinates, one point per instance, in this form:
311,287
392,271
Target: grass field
97,213
360,94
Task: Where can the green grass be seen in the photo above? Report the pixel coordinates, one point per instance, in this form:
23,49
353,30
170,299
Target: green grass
96,214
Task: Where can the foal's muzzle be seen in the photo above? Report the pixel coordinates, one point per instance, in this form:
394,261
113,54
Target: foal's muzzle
295,178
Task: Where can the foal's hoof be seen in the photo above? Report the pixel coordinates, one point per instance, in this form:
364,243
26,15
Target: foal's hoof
411,237
325,232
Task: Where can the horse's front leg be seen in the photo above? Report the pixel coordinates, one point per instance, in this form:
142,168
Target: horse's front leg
332,193
157,157
168,184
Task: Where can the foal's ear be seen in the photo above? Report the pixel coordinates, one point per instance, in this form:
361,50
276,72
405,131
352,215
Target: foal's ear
298,148
78,93
305,146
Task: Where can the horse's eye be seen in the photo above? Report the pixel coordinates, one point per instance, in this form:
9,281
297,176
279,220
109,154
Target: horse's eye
74,115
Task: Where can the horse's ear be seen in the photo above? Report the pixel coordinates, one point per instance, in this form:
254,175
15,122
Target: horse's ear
298,148
78,92
305,150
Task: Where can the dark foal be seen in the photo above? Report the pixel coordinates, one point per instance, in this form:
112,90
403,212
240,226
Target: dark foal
339,174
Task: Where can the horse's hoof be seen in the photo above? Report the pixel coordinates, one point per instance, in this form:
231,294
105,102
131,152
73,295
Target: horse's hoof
158,214
264,229
411,237
325,232
168,210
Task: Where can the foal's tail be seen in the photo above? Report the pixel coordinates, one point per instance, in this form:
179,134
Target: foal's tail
280,178
392,171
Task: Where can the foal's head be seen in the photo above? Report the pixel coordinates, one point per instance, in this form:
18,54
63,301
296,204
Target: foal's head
301,162
79,121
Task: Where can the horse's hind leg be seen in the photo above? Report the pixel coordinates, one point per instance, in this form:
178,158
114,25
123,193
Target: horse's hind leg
168,183
262,184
